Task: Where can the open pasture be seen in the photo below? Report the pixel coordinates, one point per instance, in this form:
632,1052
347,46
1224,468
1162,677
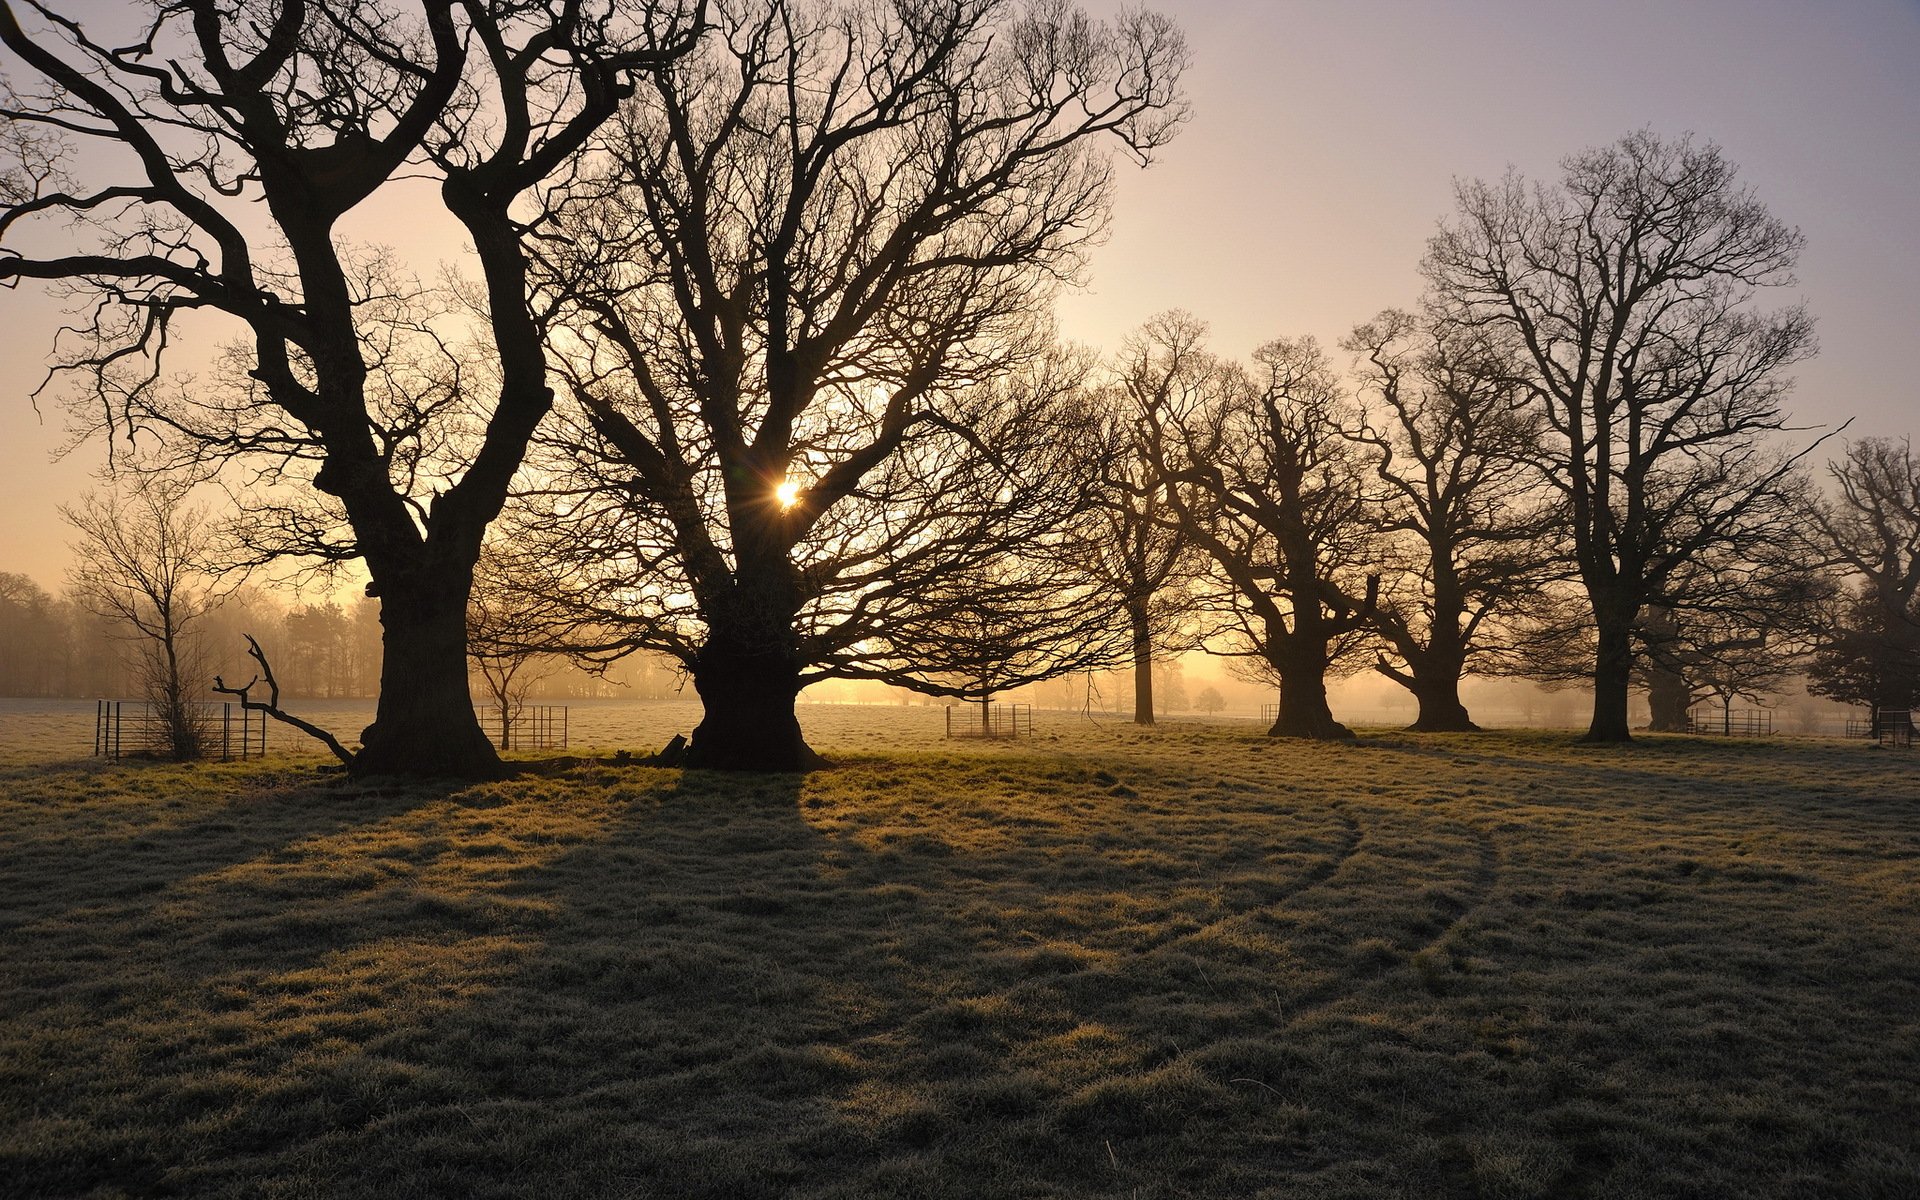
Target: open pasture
1177,962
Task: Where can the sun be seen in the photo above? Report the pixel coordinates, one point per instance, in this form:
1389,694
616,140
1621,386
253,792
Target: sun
787,493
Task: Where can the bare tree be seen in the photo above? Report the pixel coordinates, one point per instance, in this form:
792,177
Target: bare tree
1143,554
1738,619
510,636
230,141
1869,652
1466,529
1627,290
958,568
801,315
1270,490
149,561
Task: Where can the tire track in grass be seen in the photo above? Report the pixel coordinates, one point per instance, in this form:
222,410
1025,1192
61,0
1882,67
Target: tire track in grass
1348,981
1351,837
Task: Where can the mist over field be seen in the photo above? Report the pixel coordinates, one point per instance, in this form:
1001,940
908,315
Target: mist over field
821,599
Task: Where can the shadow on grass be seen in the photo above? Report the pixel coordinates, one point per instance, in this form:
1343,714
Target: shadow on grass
957,975
102,859
932,979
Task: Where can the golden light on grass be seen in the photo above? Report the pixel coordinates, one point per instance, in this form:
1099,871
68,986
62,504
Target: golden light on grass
1132,955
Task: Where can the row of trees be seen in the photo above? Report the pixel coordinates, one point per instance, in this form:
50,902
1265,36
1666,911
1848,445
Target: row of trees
780,256
759,352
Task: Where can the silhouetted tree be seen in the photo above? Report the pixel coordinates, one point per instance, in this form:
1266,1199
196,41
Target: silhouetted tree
1269,489
800,313
1143,553
149,561
958,568
1626,289
1869,652
230,141
1467,530
1738,619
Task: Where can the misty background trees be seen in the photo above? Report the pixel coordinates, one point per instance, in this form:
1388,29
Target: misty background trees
1868,646
757,387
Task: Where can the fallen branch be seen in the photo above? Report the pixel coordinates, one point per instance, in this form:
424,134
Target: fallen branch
271,705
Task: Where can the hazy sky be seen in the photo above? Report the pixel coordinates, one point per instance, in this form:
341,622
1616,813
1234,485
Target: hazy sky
1324,144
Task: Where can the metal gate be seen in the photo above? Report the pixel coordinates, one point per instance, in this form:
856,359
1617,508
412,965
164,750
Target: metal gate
226,731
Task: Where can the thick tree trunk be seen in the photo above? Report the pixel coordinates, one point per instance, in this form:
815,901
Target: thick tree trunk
1142,665
1669,698
1433,676
425,723
1440,708
1303,700
1612,675
749,723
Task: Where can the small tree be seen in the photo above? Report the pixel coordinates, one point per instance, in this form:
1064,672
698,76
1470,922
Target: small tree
148,561
510,635
1209,701
1144,554
1736,621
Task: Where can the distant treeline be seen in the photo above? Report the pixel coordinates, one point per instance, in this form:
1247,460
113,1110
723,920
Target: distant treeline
52,646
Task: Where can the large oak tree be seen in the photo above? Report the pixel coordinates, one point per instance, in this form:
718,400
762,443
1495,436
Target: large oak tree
802,316
1467,532
202,160
1627,290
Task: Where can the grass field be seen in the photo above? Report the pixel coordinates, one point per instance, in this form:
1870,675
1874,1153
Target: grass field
1184,962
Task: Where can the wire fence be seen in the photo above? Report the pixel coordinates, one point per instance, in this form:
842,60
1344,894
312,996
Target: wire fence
138,727
527,727
996,722
1737,722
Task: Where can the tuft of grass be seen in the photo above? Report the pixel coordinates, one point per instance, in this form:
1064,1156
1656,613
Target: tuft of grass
1163,963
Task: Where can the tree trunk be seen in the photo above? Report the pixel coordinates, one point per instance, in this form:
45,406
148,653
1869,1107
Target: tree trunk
749,723
1669,698
425,723
1142,664
1440,708
1612,675
1303,699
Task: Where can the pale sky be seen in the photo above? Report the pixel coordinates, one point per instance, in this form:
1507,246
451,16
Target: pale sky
1324,144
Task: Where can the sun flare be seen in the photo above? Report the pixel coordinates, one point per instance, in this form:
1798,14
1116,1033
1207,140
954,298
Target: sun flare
787,493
